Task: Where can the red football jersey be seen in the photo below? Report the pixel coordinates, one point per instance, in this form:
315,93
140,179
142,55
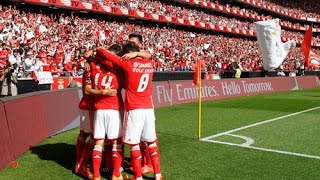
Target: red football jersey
42,55
4,55
102,81
58,58
87,101
120,77
139,73
94,69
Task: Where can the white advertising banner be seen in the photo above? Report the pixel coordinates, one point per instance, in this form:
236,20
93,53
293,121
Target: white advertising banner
44,77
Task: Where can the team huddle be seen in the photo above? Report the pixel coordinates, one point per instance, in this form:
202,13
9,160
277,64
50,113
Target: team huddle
109,122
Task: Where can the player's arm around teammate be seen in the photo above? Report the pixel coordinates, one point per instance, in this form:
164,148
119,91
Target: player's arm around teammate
136,38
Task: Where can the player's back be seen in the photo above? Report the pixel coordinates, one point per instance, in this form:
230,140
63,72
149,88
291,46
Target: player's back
103,80
139,84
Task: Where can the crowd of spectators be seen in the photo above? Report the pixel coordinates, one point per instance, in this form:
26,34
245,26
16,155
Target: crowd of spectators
267,16
158,7
303,8
58,43
234,6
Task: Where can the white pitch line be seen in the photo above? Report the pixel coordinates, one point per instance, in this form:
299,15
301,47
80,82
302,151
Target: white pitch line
259,123
265,149
248,140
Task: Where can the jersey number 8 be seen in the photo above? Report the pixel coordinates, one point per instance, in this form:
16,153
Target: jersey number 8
143,84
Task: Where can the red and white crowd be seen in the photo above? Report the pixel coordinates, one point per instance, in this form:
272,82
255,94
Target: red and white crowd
157,7
304,8
37,41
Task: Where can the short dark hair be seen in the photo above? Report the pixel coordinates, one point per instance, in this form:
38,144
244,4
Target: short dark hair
116,48
100,64
130,47
15,50
138,36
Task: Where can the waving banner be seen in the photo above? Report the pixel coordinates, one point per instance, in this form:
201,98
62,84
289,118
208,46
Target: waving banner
273,50
306,46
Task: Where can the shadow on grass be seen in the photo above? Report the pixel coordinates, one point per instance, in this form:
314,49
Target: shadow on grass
129,172
61,153
65,154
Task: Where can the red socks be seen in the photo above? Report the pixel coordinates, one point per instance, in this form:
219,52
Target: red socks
96,160
87,152
148,161
155,157
81,142
143,153
135,154
116,158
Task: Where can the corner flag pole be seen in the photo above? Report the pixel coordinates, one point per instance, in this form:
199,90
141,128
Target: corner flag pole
200,99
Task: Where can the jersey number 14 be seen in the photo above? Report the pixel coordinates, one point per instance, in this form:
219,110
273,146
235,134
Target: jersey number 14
105,82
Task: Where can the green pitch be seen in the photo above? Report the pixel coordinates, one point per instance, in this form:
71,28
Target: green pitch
274,136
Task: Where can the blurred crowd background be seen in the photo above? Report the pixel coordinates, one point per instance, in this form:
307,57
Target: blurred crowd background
32,39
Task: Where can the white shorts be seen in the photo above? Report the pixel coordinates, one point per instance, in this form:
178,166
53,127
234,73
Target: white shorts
139,125
86,121
107,122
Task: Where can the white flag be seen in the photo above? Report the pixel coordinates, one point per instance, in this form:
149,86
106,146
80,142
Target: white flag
206,46
273,50
43,29
30,35
102,35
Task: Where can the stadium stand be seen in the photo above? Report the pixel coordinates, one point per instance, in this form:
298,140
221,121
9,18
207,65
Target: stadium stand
300,10
34,39
160,8
302,7
57,42
246,13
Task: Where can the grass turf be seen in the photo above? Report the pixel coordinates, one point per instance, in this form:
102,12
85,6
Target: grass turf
183,157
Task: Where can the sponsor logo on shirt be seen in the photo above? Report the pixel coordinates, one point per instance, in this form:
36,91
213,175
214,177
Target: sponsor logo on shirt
142,65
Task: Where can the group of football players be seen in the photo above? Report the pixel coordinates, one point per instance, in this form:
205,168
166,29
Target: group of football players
107,122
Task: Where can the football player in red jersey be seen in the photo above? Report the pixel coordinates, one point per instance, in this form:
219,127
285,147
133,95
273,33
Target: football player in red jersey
139,123
108,166
107,123
146,159
86,105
